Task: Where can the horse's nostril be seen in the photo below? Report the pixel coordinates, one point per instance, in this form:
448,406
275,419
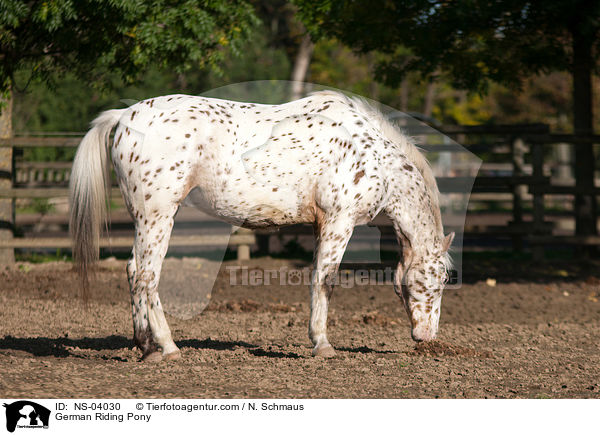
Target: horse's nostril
416,336
423,334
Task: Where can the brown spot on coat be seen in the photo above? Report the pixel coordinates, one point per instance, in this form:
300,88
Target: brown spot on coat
358,176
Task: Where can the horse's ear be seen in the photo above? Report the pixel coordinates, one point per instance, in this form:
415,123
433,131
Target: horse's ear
448,241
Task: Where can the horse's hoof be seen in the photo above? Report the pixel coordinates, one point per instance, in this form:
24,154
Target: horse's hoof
324,351
173,356
152,357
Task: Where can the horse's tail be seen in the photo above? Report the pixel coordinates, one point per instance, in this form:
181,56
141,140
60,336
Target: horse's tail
89,187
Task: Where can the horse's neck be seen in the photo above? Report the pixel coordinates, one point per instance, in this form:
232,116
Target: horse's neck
413,221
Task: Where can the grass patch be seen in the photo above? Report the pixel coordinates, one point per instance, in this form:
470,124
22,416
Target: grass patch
40,257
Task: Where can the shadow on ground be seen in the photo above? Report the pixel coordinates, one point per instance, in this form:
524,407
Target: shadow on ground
44,346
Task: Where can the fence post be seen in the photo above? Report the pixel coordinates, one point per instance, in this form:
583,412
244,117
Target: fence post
263,242
518,149
564,160
243,251
537,161
7,211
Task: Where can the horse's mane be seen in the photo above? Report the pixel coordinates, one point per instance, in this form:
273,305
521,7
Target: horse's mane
394,133
406,145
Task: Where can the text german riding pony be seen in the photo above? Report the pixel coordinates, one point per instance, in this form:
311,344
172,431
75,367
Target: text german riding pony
327,159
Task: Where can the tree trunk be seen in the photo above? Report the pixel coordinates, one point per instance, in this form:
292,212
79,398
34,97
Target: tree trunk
585,204
373,88
404,95
182,82
429,99
7,217
301,65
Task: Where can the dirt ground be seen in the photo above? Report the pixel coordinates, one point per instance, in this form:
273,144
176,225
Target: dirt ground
532,334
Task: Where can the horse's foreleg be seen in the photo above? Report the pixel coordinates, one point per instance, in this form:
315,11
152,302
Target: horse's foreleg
150,249
333,237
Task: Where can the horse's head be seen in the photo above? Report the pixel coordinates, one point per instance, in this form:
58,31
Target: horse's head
420,281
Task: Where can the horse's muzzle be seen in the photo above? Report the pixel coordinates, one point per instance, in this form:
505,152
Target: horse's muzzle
423,333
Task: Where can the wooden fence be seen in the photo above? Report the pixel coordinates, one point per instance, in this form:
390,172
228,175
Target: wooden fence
522,177
542,179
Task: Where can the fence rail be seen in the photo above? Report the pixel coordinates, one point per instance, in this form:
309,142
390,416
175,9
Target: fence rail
124,242
515,144
42,192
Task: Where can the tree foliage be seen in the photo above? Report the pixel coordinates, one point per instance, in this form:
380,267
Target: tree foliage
473,41
97,39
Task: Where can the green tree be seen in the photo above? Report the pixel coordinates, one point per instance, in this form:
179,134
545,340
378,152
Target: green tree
96,39
473,42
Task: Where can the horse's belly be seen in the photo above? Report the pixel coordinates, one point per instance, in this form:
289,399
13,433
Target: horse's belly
250,208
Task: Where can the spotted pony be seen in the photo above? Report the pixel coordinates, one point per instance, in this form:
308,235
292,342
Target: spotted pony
327,159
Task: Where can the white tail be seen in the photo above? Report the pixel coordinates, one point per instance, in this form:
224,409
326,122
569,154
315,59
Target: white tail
88,192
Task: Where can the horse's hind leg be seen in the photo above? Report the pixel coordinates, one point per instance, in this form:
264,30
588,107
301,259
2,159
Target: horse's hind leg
333,234
151,243
142,334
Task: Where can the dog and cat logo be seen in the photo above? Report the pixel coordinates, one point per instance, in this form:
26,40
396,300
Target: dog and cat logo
26,414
